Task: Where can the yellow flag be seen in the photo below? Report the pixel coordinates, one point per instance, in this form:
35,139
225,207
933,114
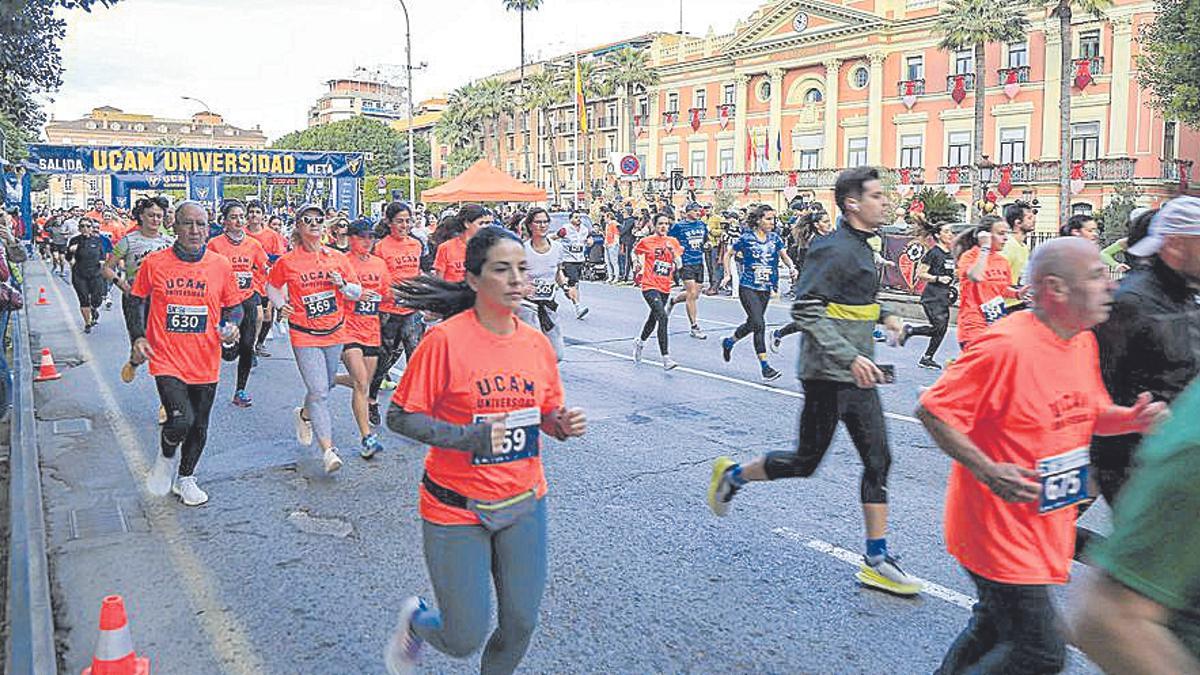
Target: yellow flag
579,103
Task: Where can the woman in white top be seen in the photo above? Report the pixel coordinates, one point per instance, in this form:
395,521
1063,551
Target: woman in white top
544,258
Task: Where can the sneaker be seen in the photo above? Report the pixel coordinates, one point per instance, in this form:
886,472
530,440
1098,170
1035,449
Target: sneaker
87,328
727,348
331,460
879,335
886,575
720,489
929,363
370,446
373,414
769,373
638,346
188,492
242,400
403,651
304,433
905,334
581,311
158,483
776,340
260,350
668,363
698,334
128,371
387,384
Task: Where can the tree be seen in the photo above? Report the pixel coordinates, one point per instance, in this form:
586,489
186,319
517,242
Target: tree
1064,9
544,92
29,54
459,128
1171,58
596,85
522,6
15,140
1114,217
493,100
631,69
358,134
939,206
973,24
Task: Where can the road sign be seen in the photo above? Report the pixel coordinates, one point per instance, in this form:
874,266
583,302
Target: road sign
629,165
676,179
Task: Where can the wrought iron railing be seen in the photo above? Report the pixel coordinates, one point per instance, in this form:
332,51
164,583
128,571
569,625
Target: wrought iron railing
918,87
1022,74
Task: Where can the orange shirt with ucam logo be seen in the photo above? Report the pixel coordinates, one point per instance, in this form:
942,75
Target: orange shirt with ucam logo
249,263
403,259
272,242
451,260
362,315
1027,397
982,302
186,300
659,255
316,303
461,373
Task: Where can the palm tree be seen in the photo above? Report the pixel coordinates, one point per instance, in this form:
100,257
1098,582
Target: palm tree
596,85
631,69
975,23
544,91
458,127
1063,9
493,100
522,6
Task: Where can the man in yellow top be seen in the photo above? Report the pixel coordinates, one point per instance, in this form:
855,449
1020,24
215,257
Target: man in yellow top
713,255
1021,221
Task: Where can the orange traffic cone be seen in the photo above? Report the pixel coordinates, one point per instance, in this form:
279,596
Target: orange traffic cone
114,649
47,370
42,296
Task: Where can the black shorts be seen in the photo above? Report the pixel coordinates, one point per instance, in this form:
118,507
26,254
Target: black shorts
692,273
266,302
89,288
367,350
58,248
572,271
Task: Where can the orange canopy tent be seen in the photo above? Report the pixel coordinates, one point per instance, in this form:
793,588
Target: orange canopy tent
483,182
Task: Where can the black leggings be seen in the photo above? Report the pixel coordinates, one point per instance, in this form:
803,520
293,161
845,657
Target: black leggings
399,333
825,403
938,313
131,309
187,407
755,304
89,288
266,326
246,339
658,316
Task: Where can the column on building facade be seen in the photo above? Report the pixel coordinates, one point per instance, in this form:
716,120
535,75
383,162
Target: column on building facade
653,124
875,110
829,154
1118,113
1050,94
741,84
775,122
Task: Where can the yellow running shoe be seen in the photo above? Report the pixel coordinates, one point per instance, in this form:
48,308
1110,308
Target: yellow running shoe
887,576
720,489
128,371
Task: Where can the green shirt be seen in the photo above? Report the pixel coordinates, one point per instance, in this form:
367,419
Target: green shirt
1155,545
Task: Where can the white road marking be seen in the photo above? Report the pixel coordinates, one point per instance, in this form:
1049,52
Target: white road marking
726,378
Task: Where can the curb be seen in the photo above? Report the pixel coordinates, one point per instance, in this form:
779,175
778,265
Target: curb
29,645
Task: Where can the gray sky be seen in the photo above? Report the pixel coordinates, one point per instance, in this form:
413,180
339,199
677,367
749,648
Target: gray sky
264,61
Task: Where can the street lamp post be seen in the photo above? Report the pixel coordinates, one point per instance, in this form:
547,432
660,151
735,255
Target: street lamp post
211,130
408,69
986,170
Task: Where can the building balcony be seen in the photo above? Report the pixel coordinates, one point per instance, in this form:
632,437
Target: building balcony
1117,169
918,87
1097,66
607,122
729,108
1021,71
1171,169
703,113
968,81
567,157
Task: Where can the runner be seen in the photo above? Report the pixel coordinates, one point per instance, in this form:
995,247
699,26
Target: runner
129,253
316,278
179,297
656,259
61,232
814,223
339,235
544,258
1022,221
984,279
692,234
250,269
837,309
87,252
361,349
400,328
274,245
451,240
761,249
936,269
574,238
481,390
1016,414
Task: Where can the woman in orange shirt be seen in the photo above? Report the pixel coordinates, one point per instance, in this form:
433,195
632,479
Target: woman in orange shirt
451,240
612,247
480,390
655,260
985,279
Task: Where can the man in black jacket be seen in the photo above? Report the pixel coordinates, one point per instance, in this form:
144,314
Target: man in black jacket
1151,342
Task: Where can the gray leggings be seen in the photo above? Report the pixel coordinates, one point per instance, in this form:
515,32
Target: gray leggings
318,367
462,561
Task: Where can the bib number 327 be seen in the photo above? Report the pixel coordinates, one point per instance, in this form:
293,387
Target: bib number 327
520,437
1064,480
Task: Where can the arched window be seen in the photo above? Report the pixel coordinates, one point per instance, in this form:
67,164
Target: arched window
813,95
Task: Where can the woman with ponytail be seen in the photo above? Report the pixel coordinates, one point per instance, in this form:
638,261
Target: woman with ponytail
451,239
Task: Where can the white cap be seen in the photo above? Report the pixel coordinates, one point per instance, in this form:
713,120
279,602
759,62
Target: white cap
1180,216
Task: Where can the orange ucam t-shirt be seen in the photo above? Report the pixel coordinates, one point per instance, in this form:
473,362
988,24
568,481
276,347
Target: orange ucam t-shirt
186,300
316,303
982,302
450,261
660,254
272,242
462,372
362,315
611,232
1024,396
403,260
249,263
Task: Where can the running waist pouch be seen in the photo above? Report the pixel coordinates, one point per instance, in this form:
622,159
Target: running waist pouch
494,516
317,332
545,318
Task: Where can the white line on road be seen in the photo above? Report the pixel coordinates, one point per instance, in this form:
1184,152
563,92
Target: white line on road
730,380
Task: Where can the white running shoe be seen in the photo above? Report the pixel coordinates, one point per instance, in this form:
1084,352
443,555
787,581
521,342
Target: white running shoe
331,460
403,651
668,364
886,575
304,433
189,493
638,346
158,483
581,311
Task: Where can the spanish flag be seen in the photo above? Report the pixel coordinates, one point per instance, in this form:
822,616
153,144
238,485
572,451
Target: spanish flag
579,102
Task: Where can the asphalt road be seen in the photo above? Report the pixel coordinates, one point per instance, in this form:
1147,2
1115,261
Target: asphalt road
286,570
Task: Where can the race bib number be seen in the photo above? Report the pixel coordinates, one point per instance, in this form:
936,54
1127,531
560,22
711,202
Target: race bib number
521,433
187,319
317,305
695,241
543,289
662,268
244,280
368,304
1064,480
993,310
573,248
762,274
